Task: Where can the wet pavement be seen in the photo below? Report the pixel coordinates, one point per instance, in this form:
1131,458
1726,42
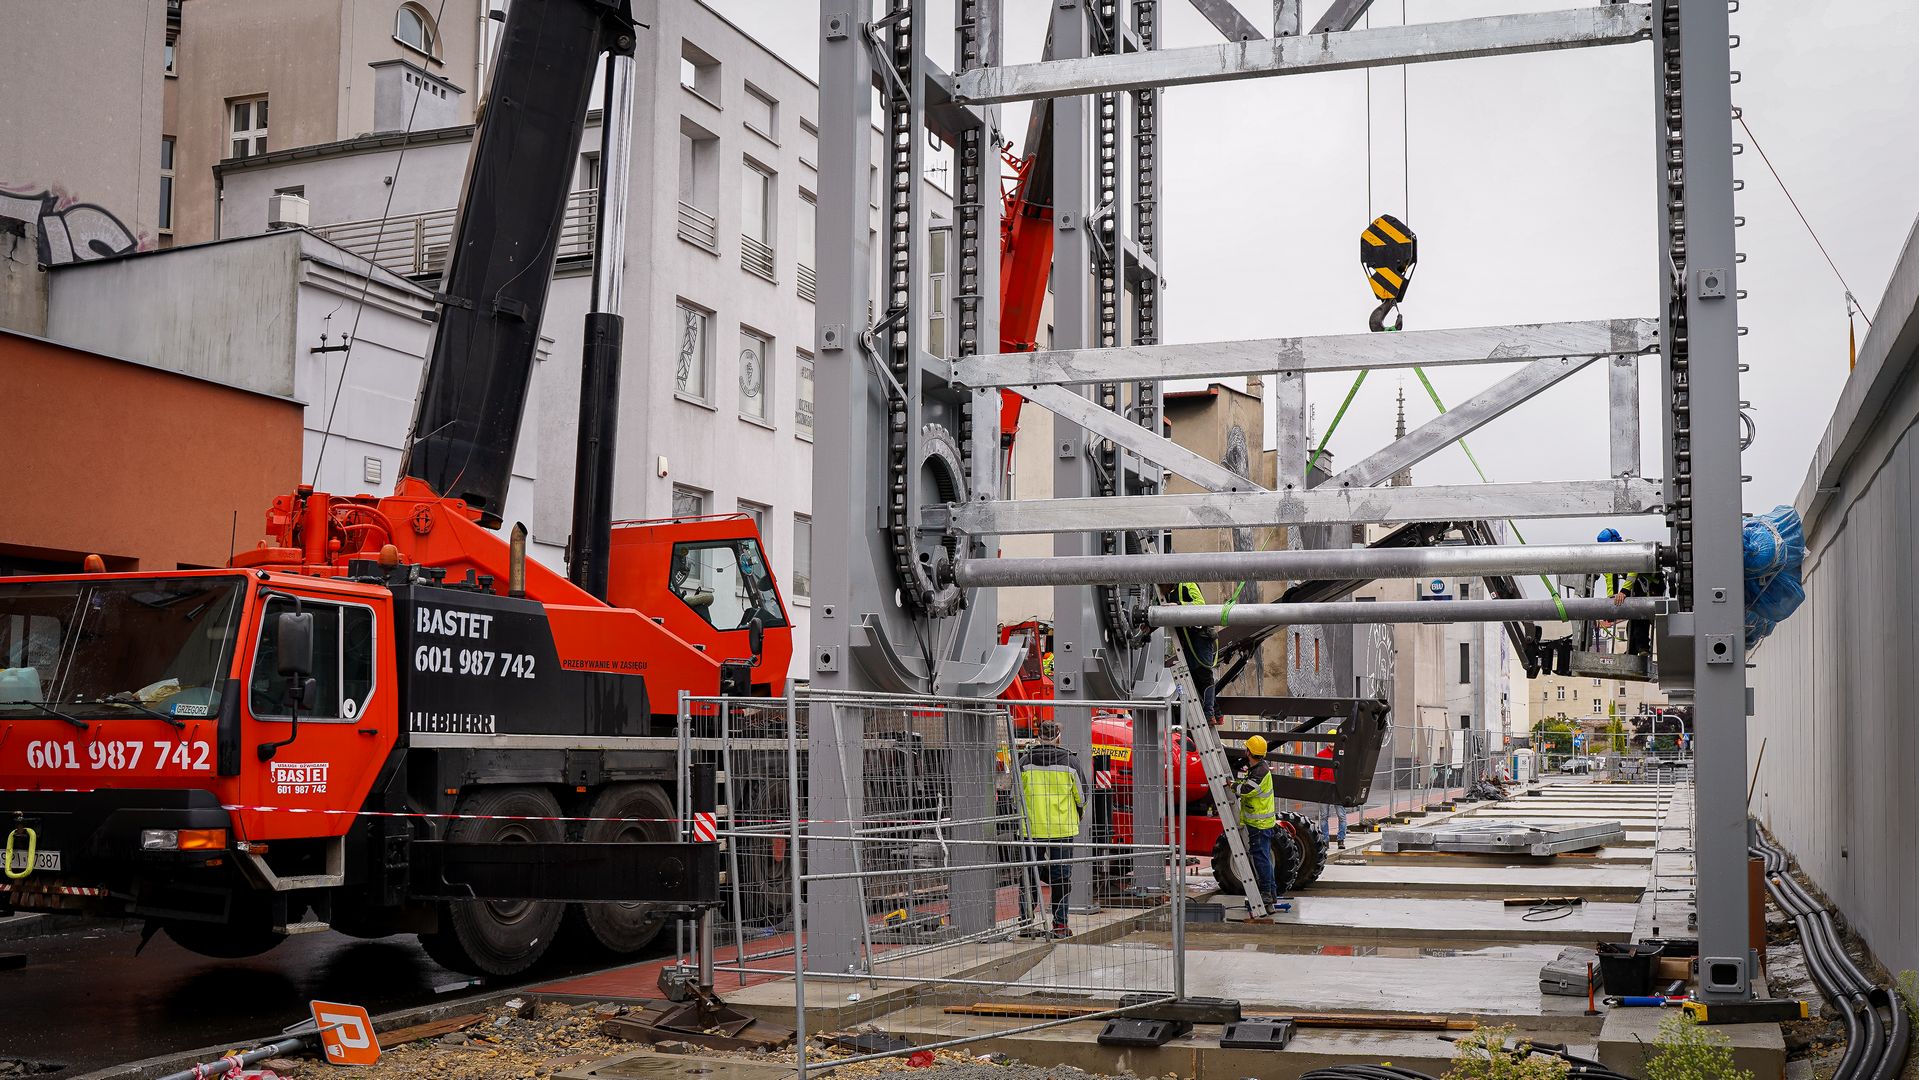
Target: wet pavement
85,1001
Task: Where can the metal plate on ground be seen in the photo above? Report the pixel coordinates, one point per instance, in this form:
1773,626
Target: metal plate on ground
1503,837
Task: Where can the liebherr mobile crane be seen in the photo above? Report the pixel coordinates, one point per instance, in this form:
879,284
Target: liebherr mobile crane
386,719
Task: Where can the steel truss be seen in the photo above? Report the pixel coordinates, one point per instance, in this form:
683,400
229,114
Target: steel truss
900,430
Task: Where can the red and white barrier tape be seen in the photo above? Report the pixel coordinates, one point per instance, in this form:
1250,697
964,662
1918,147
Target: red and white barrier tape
706,828
58,890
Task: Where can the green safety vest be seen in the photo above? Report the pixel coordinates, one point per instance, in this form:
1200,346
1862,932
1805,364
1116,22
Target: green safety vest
1050,788
1256,798
1614,586
1189,593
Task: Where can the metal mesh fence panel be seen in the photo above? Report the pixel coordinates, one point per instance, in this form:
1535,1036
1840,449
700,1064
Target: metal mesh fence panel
936,844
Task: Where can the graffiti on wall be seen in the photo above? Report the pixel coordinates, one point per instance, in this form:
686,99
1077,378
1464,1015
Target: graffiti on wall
70,230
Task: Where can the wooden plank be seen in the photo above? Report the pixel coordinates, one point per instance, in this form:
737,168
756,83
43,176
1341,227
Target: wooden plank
428,1030
1392,1022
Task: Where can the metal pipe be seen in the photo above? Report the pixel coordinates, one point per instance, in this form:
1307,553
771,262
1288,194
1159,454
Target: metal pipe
794,855
616,169
1412,611
1334,564
236,1062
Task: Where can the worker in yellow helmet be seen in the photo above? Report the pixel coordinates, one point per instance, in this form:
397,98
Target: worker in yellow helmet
1258,815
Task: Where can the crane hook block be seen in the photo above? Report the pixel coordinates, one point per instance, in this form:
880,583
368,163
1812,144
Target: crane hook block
1387,251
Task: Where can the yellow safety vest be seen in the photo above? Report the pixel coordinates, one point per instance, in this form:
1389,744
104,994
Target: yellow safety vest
1256,798
1050,787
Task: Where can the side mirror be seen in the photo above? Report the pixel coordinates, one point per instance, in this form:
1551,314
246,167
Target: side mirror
756,637
293,643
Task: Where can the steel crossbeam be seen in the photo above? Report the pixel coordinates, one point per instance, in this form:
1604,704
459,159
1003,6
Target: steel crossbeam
1458,422
1405,611
1315,506
1497,35
1331,352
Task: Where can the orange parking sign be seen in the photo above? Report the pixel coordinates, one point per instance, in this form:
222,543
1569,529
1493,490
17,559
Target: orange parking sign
346,1033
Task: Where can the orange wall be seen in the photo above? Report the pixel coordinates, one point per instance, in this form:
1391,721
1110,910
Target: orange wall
143,466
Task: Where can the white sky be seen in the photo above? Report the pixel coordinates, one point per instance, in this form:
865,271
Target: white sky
1532,190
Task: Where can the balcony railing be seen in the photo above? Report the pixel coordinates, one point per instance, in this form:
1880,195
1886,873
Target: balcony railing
699,227
756,257
809,283
415,245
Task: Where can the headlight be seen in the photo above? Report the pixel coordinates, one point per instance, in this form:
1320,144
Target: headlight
159,839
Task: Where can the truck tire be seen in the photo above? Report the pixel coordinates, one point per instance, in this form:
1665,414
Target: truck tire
623,928
1285,864
488,937
1312,846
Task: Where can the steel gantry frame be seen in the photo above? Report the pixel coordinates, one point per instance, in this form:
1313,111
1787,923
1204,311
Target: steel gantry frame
910,608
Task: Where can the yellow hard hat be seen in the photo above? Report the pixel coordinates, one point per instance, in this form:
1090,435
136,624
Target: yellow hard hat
1256,746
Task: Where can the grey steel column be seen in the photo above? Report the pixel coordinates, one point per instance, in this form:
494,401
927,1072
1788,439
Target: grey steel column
848,450
1075,619
1712,381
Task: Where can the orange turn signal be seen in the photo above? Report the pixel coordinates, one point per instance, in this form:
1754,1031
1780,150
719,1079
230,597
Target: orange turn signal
203,839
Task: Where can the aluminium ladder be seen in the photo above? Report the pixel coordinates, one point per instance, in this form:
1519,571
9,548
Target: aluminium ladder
1219,777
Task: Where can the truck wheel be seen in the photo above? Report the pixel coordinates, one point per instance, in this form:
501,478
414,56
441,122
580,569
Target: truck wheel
1312,847
624,928
224,941
499,937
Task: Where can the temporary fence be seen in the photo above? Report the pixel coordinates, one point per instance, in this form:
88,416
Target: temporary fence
878,847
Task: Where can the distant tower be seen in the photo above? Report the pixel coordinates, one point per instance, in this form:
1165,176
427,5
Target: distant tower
1404,477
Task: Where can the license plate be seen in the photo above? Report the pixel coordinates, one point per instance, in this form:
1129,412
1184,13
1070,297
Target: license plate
42,860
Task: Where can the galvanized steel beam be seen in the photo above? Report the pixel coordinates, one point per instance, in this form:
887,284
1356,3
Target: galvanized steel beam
1343,15
1405,611
1332,352
1227,20
1496,35
1458,422
1341,564
1315,506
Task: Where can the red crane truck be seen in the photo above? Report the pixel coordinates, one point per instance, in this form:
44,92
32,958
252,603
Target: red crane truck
385,719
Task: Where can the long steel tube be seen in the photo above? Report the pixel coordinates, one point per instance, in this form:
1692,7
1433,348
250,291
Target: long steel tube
1337,564
1412,611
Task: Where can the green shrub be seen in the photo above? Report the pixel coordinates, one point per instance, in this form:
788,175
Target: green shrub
1687,1051
1483,1055
1908,988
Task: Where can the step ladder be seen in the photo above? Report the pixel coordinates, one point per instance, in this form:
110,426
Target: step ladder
1219,777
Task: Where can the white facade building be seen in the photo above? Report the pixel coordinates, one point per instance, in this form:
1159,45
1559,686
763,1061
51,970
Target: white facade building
716,407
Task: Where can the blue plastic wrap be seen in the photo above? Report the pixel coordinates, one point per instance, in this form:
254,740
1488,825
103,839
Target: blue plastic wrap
1775,546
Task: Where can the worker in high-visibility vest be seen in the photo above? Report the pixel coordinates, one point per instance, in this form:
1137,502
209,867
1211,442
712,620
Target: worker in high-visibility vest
1259,816
1201,646
1052,794
1621,586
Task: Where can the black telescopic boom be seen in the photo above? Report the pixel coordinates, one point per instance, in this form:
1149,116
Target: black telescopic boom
473,394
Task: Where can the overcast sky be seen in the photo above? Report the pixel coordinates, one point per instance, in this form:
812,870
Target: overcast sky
1532,187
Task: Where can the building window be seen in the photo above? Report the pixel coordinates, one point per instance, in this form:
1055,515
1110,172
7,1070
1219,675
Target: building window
802,555
1466,723
696,350
1465,590
413,27
1595,682
700,71
803,396
757,188
589,172
166,183
1597,706
809,142
754,348
247,127
688,502
172,56
1562,693
762,112
1465,661
809,225
699,154
936,291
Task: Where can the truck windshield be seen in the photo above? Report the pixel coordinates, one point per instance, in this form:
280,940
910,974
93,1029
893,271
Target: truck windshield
726,582
117,647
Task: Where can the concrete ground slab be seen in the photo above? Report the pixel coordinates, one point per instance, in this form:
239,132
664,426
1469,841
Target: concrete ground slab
1428,878
1628,1033
1393,920
1198,1055
649,1064
1460,985
1609,855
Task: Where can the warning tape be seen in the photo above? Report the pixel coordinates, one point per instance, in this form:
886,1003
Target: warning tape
1103,781
58,890
706,828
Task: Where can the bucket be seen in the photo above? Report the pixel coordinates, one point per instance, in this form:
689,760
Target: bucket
1627,970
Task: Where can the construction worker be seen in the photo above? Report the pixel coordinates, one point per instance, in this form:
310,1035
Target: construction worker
1046,663
1258,815
1638,631
1329,811
1053,791
1201,645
